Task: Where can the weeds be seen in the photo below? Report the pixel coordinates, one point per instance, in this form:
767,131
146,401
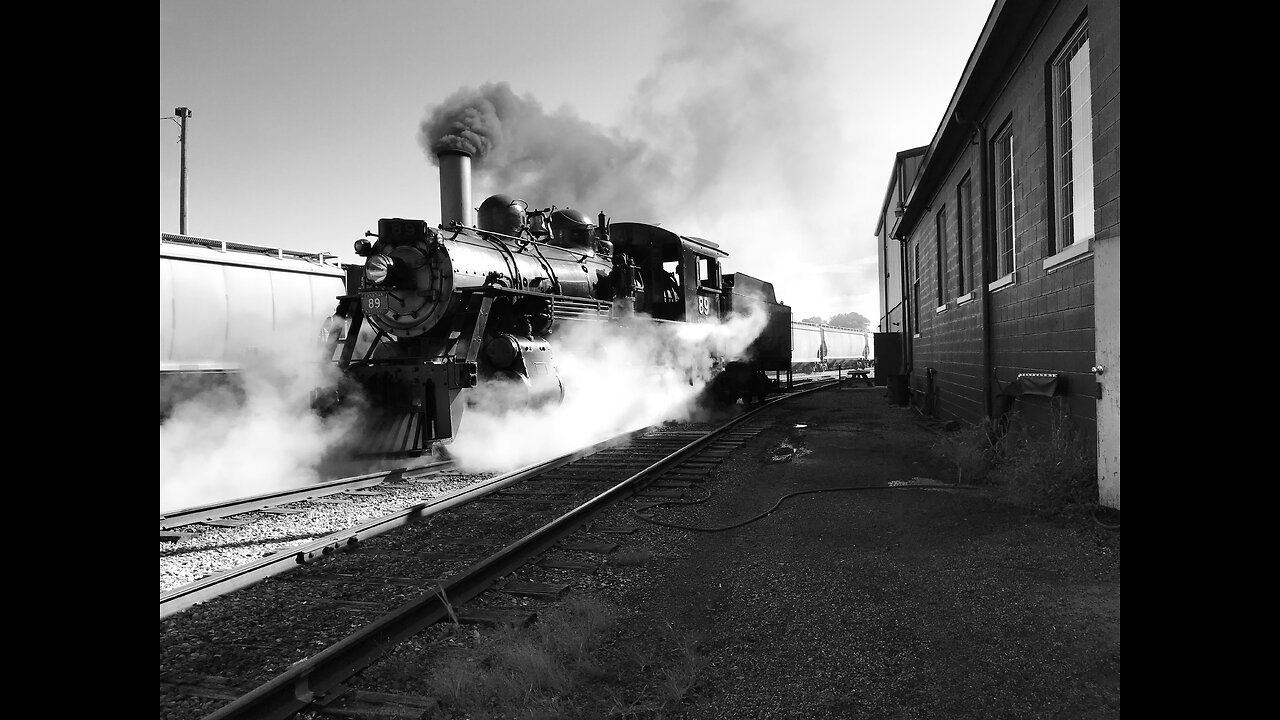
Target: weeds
1057,474
1054,473
527,670
448,606
974,451
552,669
683,675
575,632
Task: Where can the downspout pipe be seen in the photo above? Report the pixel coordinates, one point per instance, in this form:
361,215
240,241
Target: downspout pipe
908,327
987,201
908,321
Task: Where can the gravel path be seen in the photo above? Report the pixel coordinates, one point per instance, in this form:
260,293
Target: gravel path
899,603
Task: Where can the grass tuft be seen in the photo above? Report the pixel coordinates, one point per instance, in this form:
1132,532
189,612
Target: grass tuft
530,670
577,662
1056,474
973,450
683,675
1053,473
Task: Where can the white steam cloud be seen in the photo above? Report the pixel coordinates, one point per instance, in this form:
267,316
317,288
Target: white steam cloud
252,435
616,379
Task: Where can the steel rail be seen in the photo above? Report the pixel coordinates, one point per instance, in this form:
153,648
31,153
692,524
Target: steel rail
227,508
314,679
242,576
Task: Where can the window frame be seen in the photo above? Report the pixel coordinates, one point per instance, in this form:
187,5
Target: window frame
708,272
964,240
1074,224
1004,259
940,254
1070,145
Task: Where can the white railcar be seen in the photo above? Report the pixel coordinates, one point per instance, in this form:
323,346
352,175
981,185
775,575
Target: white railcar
819,346
223,305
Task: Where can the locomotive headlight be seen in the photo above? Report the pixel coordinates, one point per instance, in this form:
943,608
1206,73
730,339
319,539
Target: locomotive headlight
377,269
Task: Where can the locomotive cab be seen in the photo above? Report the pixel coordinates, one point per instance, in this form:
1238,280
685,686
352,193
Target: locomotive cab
681,274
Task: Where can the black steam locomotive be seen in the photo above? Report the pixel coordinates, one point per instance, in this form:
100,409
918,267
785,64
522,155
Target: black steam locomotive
434,312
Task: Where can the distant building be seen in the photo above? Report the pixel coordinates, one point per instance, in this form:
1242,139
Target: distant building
999,241
889,257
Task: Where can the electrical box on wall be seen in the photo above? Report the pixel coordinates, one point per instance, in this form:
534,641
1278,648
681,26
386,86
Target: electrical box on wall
890,359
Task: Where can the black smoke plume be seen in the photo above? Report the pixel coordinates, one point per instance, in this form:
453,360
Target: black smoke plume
519,149
733,136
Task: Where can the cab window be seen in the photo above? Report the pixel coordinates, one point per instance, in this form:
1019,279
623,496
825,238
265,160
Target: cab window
670,281
708,272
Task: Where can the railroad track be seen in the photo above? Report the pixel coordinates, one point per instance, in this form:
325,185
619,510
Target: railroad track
209,550
223,514
471,559
346,494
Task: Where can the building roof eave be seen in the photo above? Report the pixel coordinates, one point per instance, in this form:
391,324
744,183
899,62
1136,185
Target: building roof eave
894,178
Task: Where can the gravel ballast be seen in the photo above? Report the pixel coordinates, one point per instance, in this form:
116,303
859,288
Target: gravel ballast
213,549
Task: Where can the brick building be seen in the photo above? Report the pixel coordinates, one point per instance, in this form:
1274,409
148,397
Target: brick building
1000,240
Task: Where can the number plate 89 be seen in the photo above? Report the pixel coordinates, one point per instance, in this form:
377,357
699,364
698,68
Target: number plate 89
375,303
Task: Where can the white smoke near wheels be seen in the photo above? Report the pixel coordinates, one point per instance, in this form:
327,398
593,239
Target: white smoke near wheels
616,378
253,434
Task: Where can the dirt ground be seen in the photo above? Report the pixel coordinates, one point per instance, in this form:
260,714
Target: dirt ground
875,599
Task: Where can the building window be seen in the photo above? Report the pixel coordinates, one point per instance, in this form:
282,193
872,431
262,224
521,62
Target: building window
964,234
941,253
1002,149
1073,137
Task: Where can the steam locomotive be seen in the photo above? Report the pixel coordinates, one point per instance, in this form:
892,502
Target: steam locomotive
434,313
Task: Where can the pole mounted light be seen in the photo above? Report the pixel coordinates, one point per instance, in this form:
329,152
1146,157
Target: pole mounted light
183,113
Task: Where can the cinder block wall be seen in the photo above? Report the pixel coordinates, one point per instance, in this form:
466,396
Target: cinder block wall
1043,322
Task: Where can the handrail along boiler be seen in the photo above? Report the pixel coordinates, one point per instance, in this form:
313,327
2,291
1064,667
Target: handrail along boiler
435,312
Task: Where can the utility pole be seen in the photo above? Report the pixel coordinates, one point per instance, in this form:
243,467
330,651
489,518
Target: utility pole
183,113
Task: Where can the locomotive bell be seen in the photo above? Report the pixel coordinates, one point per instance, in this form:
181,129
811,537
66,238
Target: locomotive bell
539,225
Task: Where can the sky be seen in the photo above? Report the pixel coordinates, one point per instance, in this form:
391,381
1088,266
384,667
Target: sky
769,128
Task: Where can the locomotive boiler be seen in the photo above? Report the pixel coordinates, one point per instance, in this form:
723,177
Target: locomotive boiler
435,314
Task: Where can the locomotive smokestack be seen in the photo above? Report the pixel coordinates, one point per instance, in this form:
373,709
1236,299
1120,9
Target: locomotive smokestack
455,187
